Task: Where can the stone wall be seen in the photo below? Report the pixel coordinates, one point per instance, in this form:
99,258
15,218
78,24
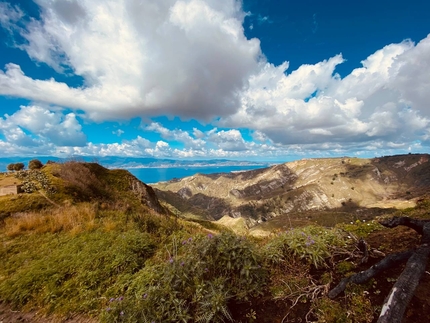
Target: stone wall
10,189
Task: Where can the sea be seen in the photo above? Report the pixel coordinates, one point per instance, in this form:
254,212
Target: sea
155,175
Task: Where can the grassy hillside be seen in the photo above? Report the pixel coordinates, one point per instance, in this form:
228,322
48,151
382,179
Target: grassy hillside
102,253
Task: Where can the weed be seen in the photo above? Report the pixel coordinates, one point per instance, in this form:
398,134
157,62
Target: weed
194,283
361,228
311,244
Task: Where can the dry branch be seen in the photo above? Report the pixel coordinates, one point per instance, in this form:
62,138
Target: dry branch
400,295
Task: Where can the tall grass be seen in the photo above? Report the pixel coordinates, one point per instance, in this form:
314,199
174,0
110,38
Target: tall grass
75,218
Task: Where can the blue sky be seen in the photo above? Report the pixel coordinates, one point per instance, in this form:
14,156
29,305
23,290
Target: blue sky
199,79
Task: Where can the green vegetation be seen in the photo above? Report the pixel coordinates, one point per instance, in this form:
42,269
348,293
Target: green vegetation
311,244
85,241
361,228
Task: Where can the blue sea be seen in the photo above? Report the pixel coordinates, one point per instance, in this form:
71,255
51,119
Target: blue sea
154,175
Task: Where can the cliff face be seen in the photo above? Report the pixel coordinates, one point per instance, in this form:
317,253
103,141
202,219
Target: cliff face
146,195
313,184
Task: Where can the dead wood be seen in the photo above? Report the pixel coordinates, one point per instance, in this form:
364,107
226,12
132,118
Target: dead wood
400,295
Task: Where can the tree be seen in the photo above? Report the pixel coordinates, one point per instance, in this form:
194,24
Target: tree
19,166
416,261
11,167
35,164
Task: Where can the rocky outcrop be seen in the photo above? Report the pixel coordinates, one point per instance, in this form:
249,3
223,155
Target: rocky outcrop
146,195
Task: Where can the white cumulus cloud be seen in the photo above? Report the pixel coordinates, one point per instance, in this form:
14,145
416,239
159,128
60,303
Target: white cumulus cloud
137,57
191,59
386,99
33,124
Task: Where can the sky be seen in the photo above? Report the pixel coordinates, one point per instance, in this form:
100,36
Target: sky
203,79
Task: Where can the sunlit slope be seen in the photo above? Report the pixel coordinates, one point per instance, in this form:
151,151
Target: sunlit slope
311,184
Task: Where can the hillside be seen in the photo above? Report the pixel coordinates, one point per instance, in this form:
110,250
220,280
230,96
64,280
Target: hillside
64,184
301,186
84,244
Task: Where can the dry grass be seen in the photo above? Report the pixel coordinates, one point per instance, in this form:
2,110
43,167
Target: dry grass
72,219
8,179
110,225
238,225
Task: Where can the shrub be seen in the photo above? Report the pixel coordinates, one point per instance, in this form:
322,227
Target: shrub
311,244
19,166
195,282
15,167
35,164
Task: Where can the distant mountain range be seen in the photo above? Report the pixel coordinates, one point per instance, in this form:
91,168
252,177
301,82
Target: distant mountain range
133,162
301,186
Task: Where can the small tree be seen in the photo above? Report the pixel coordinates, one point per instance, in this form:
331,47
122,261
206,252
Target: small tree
11,167
35,164
19,166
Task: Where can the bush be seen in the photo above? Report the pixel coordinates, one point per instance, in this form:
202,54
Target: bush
311,244
35,164
19,166
195,282
15,167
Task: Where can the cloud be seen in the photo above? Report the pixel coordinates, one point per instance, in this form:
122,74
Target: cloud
190,58
230,140
9,16
34,125
118,132
383,100
177,135
186,58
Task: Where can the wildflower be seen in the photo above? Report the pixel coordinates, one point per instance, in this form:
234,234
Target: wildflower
190,239
120,298
171,260
206,270
111,300
182,263
184,242
210,236
121,313
310,241
108,309
145,296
